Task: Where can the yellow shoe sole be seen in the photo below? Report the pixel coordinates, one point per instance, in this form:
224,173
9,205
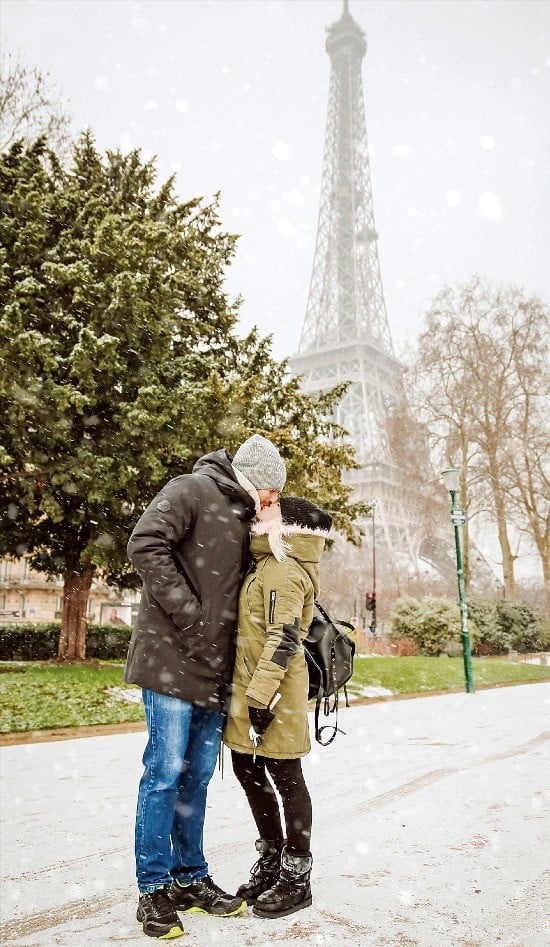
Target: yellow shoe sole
170,935
202,911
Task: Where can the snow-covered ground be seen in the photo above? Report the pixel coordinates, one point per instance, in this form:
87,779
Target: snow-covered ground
429,830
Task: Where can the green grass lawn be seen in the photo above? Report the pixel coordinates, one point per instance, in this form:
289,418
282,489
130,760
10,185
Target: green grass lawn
411,675
40,696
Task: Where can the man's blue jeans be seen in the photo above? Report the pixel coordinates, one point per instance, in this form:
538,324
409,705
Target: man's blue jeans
179,760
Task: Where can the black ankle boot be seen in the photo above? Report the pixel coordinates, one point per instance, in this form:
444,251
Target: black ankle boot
264,873
291,892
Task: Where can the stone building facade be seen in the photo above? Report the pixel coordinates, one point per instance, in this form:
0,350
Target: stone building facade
29,596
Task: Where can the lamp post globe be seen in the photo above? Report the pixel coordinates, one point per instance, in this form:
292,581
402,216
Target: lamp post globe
451,479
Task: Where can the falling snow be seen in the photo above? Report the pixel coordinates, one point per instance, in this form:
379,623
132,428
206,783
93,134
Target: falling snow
281,151
419,800
489,206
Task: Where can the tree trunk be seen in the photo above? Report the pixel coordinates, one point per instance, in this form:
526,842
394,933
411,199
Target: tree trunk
72,638
502,527
546,573
542,542
466,555
531,503
464,505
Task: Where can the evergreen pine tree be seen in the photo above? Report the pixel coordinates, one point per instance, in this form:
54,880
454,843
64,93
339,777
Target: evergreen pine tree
120,365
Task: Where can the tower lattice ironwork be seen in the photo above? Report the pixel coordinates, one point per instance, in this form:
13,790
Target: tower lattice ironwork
346,334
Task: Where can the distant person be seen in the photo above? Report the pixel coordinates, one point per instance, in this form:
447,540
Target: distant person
267,728
114,618
191,548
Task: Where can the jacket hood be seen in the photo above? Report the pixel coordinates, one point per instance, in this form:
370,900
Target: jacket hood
305,547
217,465
284,539
216,461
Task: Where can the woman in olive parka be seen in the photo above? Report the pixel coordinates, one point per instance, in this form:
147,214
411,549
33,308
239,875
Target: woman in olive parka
267,728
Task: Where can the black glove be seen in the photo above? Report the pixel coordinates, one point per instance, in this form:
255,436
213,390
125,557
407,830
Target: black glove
260,718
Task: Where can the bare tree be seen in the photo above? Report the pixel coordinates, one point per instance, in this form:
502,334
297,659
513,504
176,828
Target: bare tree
440,396
479,379
30,107
528,457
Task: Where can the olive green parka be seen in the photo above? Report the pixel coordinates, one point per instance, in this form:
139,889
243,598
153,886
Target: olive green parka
275,611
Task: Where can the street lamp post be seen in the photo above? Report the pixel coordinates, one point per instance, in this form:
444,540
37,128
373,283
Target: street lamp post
451,479
373,622
371,596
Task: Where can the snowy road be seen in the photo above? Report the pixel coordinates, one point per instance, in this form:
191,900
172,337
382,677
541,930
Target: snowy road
429,829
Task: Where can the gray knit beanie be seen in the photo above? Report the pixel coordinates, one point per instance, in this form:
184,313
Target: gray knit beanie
261,463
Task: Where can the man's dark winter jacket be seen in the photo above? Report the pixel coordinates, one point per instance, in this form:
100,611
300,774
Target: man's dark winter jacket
190,548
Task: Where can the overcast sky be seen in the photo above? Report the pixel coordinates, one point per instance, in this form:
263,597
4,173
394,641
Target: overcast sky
232,95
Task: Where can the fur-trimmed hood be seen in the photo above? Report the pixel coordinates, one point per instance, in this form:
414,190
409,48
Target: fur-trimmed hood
287,540
288,529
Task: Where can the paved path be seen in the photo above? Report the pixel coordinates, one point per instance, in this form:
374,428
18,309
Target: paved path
429,830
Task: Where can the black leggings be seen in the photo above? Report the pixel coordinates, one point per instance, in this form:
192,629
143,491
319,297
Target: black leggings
289,781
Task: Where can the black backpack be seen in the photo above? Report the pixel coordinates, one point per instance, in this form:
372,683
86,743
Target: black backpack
329,658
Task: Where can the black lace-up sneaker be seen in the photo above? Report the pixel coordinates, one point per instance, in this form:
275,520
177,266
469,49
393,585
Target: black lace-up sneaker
158,916
204,897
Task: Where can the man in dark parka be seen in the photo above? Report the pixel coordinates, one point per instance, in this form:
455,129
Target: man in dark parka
190,548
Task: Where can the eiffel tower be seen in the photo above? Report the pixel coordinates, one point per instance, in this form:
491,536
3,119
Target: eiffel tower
346,335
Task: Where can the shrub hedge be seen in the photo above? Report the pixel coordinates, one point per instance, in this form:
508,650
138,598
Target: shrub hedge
38,642
495,626
432,623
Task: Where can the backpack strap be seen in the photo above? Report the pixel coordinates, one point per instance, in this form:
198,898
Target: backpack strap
334,728
327,617
323,613
328,709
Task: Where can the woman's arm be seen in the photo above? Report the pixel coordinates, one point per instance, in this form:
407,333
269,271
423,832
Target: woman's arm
284,594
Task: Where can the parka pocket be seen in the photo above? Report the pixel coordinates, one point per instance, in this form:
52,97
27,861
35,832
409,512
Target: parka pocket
247,592
283,607
243,669
190,617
